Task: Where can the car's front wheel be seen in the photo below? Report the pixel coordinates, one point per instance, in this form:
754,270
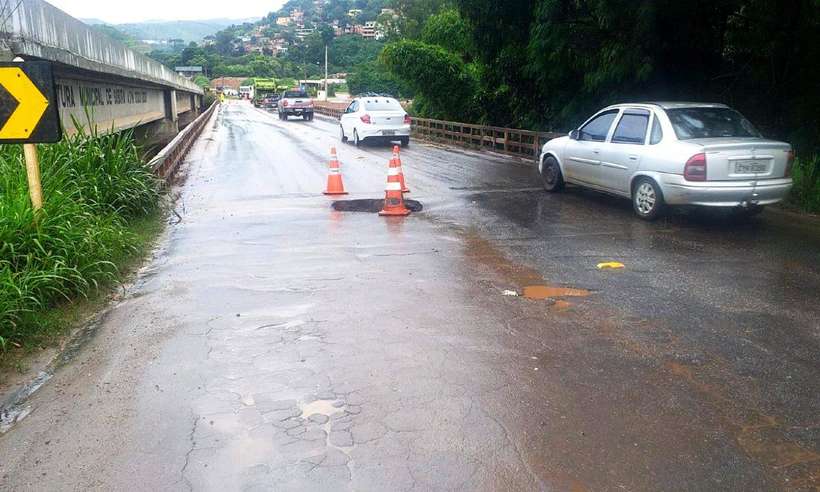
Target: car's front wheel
551,175
647,199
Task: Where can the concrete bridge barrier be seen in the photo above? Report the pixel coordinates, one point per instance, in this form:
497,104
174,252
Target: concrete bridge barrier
100,82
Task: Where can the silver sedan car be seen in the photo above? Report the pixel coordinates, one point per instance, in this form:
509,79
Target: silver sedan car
671,153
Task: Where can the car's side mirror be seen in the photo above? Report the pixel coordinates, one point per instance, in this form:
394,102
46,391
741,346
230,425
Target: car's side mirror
574,134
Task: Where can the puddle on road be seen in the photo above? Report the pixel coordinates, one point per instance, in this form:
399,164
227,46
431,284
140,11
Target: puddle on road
323,407
548,292
10,416
15,408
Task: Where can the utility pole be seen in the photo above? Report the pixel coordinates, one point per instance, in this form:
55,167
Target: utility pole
325,72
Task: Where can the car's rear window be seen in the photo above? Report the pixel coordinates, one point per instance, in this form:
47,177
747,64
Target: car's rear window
710,123
382,105
292,94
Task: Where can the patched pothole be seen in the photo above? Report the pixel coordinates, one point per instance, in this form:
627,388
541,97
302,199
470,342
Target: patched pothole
372,206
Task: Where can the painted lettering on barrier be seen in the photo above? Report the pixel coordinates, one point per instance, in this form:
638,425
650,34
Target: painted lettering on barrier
107,106
96,95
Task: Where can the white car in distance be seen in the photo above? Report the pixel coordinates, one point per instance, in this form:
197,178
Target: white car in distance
375,118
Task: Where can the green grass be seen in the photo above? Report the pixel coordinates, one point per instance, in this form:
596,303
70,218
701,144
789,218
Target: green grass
99,201
806,192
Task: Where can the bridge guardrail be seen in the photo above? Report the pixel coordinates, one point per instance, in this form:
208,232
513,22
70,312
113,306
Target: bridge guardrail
333,110
519,143
165,163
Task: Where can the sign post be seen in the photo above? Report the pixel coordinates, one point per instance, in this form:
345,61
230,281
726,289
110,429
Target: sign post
28,115
35,188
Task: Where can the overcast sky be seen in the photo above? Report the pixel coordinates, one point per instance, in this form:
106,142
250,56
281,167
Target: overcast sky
117,12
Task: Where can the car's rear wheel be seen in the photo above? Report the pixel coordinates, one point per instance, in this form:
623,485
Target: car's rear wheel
405,141
342,134
647,199
356,140
551,175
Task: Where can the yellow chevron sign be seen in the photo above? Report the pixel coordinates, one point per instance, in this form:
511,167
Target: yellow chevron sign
27,103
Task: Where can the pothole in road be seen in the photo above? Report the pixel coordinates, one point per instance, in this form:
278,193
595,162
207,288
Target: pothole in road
371,206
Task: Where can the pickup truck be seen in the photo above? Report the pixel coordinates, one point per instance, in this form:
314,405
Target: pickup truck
295,102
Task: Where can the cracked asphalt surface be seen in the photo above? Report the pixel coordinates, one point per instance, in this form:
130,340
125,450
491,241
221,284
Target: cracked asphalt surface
273,343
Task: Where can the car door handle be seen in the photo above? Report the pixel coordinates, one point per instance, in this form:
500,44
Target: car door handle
633,158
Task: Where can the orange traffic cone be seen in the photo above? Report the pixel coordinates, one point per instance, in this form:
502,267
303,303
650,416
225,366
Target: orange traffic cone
393,197
334,177
396,162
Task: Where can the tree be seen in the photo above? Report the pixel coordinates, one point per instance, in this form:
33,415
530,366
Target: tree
413,14
347,52
444,85
202,81
326,34
449,30
372,76
549,63
224,41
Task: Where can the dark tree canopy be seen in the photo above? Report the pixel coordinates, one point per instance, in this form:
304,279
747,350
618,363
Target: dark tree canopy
548,63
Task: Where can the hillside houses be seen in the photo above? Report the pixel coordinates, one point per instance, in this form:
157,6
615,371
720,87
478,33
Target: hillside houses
282,30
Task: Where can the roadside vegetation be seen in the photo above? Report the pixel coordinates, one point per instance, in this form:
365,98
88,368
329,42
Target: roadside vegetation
100,209
806,191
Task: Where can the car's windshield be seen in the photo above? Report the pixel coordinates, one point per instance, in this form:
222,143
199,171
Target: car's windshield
710,123
382,105
291,94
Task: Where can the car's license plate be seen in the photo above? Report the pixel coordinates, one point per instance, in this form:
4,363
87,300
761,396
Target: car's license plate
388,132
750,167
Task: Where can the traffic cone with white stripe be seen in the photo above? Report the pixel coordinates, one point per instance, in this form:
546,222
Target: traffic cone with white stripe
393,196
334,177
396,162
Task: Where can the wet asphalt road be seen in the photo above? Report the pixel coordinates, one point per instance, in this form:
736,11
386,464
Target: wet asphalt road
275,344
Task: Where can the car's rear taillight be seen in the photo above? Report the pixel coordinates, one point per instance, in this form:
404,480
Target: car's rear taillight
407,119
695,169
366,119
285,104
789,162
